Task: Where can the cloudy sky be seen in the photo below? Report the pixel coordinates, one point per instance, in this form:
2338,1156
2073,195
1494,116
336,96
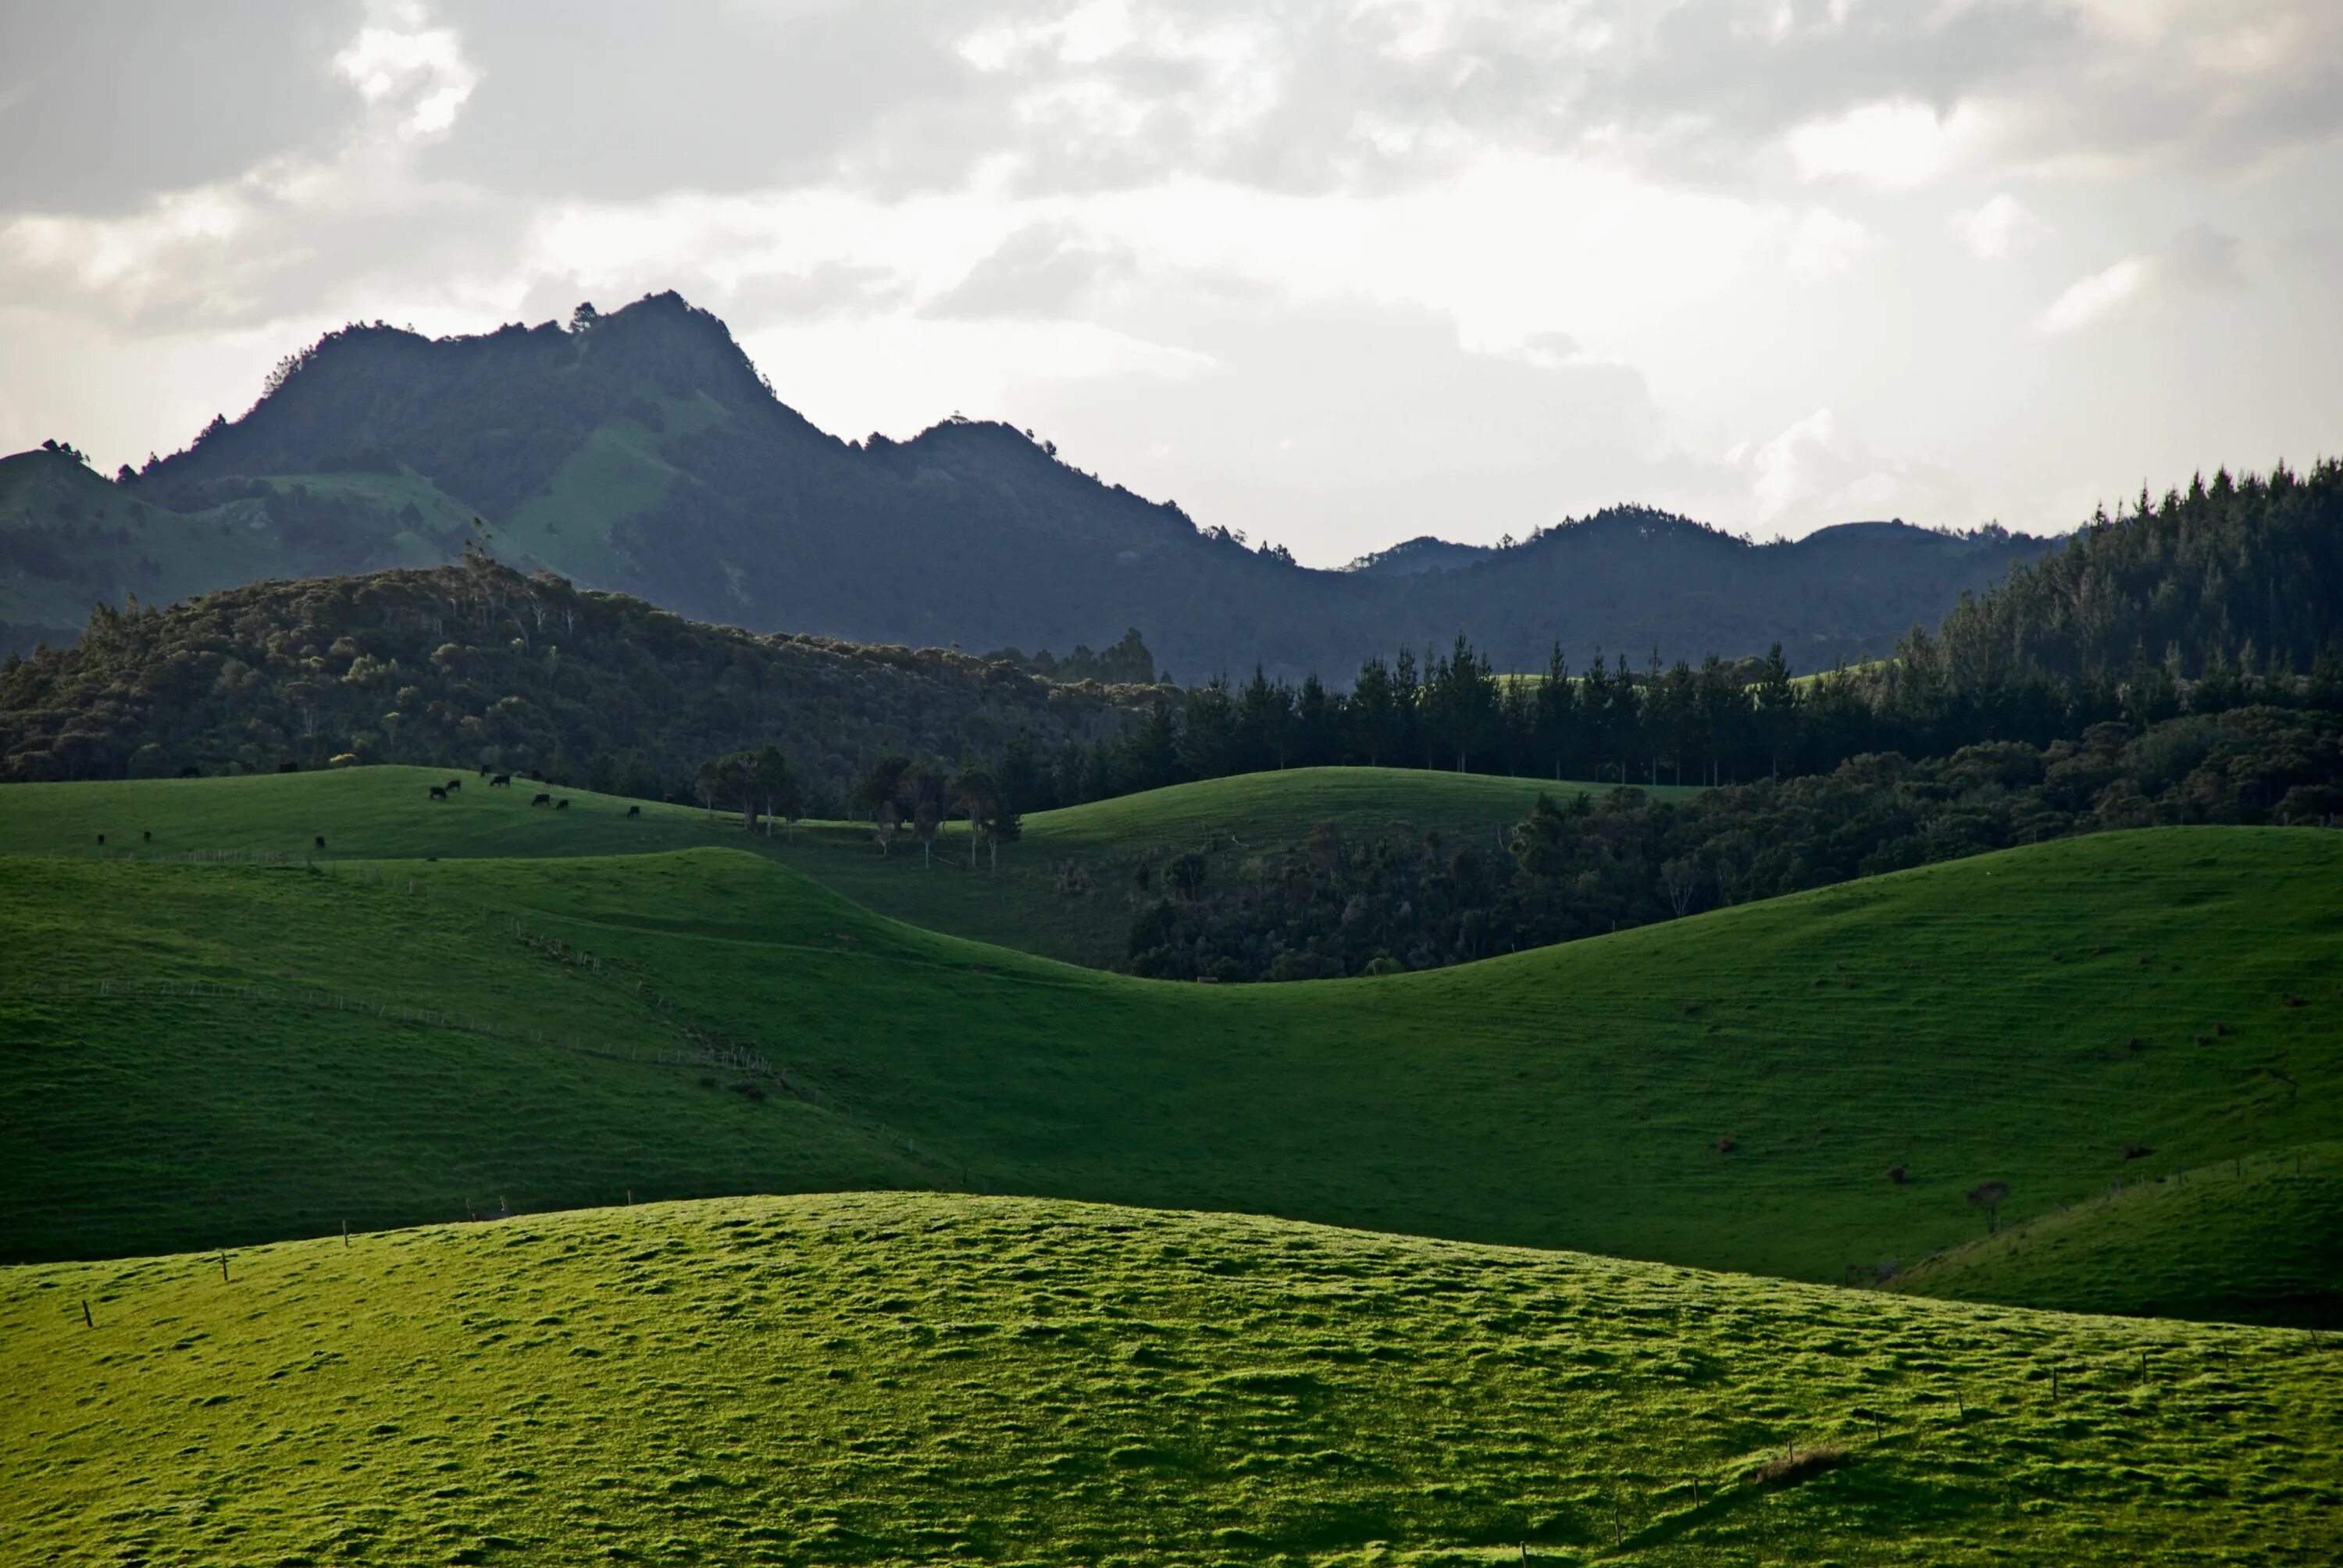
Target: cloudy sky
1335,274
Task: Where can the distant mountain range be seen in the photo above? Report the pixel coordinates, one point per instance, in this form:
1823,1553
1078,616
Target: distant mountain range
641,451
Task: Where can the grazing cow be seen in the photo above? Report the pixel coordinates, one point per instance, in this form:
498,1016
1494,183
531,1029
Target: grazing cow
101,837
191,771
501,781
634,810
542,799
289,768
321,840
437,793
147,836
454,785
485,772
561,805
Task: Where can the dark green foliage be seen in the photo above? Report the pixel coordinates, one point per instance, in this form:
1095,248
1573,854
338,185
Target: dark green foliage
1578,867
2229,584
473,664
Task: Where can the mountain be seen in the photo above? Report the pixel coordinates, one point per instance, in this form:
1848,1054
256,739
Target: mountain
641,452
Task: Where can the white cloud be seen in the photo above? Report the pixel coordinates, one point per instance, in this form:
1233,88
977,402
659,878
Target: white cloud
2000,227
2088,301
415,72
1817,472
2199,257
1825,244
1896,144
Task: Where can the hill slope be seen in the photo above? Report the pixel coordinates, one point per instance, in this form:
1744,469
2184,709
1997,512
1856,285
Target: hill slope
2256,1239
642,453
891,1379
1950,1020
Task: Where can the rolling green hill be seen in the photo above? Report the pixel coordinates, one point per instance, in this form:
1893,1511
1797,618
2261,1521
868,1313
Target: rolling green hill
2256,1238
1728,1090
877,1380
1027,903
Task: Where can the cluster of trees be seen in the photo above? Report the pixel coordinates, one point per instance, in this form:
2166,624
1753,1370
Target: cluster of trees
473,664
898,794
1581,864
1123,663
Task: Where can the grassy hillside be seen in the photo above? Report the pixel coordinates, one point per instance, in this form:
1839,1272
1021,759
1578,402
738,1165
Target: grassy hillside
1729,1089
2259,1238
877,1380
1030,903
387,812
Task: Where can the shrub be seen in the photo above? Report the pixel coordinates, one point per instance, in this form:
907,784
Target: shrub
1795,1464
1898,1174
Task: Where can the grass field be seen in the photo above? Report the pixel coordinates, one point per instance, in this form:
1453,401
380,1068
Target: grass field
2256,1238
876,1378
373,812
1726,1090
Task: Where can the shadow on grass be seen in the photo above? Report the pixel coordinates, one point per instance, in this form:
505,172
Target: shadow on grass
1858,1494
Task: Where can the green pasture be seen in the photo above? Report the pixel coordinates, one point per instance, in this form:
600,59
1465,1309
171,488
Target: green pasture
1727,1090
2257,1238
873,1379
1024,900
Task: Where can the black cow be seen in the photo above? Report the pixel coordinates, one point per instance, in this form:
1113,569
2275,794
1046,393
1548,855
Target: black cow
561,805
191,771
454,785
542,799
483,772
634,810
147,836
289,768
101,837
437,793
321,840
501,781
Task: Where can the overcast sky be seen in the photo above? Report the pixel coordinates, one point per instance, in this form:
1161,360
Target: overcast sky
1334,274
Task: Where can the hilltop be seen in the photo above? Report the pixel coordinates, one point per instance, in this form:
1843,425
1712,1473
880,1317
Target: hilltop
640,452
882,1380
474,660
396,1038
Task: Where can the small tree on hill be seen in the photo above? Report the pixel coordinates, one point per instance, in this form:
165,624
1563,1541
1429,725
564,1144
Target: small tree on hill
1988,1196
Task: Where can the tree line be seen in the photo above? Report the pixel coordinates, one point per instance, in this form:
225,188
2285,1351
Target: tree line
1580,864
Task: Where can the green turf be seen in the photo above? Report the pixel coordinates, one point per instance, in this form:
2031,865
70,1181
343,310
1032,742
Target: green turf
1955,1021
2259,1238
386,811
880,1380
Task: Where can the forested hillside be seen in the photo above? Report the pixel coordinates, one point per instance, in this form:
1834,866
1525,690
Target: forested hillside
475,665
641,452
2198,595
